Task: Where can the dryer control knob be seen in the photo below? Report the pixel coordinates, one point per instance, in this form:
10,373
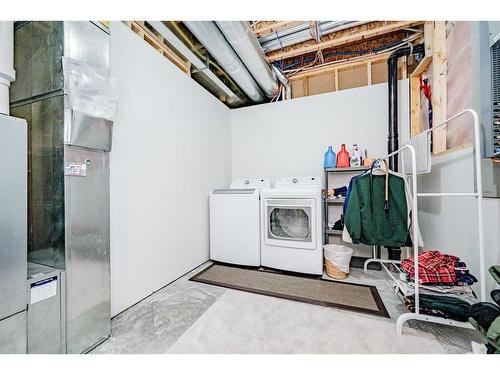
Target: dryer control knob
247,182
295,180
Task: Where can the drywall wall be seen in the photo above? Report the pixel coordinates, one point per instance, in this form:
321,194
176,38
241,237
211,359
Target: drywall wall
165,158
290,138
449,224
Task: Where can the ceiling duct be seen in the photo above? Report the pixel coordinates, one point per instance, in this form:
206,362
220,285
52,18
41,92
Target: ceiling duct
300,33
244,42
198,63
284,81
214,41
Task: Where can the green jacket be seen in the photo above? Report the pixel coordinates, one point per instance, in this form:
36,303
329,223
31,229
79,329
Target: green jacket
368,220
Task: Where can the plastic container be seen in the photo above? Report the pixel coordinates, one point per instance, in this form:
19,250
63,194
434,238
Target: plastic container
337,259
343,160
355,159
330,160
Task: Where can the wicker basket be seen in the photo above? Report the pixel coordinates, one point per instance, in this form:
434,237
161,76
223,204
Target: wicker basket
333,271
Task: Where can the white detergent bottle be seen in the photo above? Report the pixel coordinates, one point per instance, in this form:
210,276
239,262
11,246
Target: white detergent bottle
355,160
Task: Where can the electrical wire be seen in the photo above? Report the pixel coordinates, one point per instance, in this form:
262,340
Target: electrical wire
373,52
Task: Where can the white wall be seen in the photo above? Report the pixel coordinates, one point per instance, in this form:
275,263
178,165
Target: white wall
171,145
449,224
290,138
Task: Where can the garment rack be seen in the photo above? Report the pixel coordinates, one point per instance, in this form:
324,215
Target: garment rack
414,216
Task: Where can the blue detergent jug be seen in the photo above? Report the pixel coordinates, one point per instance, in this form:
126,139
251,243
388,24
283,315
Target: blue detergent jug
330,159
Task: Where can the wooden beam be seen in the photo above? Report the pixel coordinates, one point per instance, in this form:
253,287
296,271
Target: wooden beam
336,73
340,65
415,127
422,66
348,39
273,27
369,72
305,86
428,38
159,44
439,86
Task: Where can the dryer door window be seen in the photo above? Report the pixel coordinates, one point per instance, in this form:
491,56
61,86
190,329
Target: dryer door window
289,223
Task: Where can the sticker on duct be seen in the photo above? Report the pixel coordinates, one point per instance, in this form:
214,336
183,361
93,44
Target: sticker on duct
75,169
43,289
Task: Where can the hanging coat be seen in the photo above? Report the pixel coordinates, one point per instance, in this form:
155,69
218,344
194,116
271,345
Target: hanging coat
372,219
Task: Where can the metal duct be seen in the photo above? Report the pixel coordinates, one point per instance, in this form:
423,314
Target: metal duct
7,72
284,81
241,37
199,64
214,41
300,33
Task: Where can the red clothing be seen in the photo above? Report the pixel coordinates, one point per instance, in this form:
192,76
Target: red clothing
433,267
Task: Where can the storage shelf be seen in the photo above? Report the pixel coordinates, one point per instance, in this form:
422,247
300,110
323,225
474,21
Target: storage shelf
347,169
335,201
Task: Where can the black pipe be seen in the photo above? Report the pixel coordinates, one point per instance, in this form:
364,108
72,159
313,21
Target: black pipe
393,135
392,63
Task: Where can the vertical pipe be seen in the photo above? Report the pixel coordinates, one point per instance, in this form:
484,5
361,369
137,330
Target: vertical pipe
393,131
7,72
393,138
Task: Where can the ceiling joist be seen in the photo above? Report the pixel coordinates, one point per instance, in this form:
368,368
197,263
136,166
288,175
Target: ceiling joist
273,27
344,40
340,65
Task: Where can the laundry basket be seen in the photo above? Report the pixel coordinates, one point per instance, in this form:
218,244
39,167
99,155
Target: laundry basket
337,259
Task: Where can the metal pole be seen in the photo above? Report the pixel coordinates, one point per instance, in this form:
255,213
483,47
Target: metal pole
479,187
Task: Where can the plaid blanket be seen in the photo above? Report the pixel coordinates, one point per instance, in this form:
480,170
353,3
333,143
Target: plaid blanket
433,267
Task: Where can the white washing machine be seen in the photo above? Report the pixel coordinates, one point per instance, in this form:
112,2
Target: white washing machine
235,222
291,225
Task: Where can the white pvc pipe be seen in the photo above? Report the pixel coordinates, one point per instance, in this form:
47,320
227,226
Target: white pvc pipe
7,72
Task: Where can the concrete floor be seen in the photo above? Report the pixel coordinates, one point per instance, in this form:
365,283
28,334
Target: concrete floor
190,317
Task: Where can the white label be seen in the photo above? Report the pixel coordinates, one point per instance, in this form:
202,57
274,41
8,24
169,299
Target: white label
43,289
75,169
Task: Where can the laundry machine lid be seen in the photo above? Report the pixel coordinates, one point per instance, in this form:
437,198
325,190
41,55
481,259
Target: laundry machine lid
249,183
293,182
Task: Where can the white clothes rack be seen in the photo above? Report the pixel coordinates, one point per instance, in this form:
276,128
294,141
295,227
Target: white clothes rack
414,216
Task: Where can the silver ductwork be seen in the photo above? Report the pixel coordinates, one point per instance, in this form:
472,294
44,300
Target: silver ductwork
214,41
300,33
284,81
166,33
241,37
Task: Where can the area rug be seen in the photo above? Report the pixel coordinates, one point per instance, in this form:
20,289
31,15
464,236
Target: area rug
312,290
248,323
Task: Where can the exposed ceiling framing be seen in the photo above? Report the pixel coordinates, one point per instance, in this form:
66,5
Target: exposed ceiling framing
326,49
262,28
342,38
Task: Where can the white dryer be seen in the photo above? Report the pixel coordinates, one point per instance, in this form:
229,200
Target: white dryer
291,225
235,222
